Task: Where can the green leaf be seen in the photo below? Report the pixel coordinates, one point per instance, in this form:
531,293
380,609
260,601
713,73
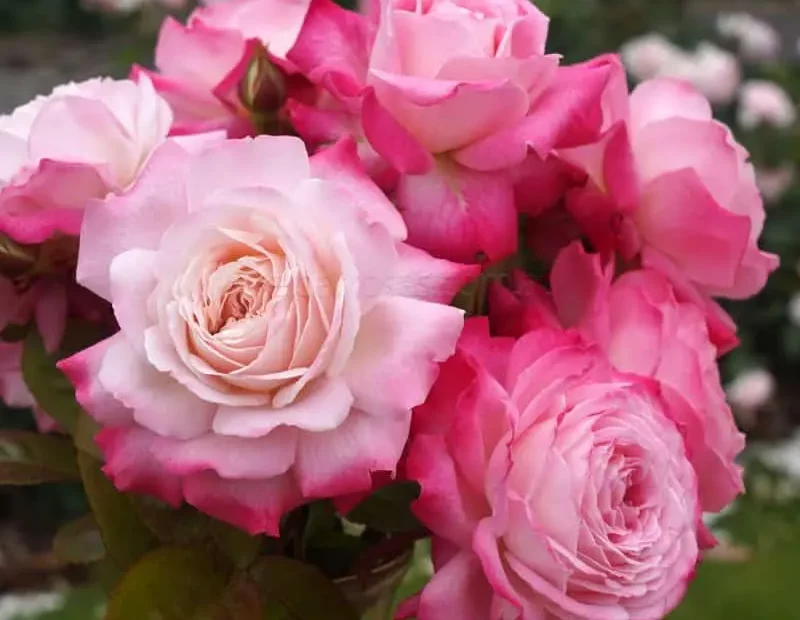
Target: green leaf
51,389
170,583
85,431
236,545
299,591
239,601
124,535
32,458
79,542
389,509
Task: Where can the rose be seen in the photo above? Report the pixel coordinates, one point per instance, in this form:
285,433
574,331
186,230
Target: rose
649,55
758,41
762,102
646,330
673,186
557,486
275,331
203,67
45,305
81,142
127,6
452,95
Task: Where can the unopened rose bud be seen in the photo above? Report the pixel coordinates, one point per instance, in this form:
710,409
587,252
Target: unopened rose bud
263,90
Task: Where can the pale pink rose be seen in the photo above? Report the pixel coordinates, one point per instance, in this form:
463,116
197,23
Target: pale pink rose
752,389
645,329
773,183
201,66
648,55
275,331
555,485
758,41
672,186
762,102
713,71
81,142
452,94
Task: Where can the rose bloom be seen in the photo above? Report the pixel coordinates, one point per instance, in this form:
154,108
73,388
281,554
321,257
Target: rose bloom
758,41
773,183
555,486
81,142
648,55
451,94
646,329
672,185
713,71
275,331
201,66
45,304
762,102
752,389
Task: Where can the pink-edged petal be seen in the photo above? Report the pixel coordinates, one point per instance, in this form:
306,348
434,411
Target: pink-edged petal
419,275
51,312
391,140
278,162
159,403
581,284
552,119
397,350
341,164
50,202
322,406
342,461
231,458
663,98
332,48
681,219
133,279
131,467
82,369
255,506
459,589
459,214
136,219
448,115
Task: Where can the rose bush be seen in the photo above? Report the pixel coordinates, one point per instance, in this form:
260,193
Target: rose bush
275,331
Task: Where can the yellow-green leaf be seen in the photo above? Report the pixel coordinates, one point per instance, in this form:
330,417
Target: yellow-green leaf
33,458
169,583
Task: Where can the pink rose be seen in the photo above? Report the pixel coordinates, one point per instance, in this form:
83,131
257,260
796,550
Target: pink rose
672,185
275,331
558,487
645,329
46,304
81,142
762,102
202,66
452,94
126,6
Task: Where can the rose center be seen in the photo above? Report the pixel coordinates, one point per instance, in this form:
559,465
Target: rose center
240,290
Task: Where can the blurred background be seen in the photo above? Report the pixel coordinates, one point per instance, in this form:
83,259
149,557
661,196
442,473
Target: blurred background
743,55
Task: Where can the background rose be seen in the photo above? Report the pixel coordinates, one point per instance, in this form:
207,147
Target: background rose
656,176
647,330
762,102
275,332
548,477
81,142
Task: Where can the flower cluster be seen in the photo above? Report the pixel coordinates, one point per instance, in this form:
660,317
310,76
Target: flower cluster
290,217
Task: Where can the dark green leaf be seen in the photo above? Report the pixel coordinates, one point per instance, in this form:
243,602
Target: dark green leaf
236,545
14,332
239,601
300,591
389,509
85,431
51,389
33,458
124,535
79,542
170,583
